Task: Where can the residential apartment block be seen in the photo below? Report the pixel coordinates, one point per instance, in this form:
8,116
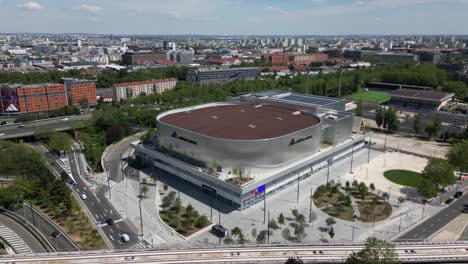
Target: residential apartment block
78,89
133,89
32,98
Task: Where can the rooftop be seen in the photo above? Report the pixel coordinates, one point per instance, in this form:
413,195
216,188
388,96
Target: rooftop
419,94
242,121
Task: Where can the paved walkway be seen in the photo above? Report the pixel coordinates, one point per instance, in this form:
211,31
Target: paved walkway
453,230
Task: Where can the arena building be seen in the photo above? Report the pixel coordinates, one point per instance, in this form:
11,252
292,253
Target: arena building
238,151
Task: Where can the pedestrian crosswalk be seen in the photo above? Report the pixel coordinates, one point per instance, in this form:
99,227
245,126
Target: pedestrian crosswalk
140,245
14,241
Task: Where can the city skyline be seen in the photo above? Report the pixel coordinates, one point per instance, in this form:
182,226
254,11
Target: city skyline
237,17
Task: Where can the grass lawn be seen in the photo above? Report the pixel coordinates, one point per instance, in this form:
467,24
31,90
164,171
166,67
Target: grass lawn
369,96
330,205
404,177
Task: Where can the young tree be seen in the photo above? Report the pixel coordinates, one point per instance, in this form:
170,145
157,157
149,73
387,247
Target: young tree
417,125
144,189
281,219
372,186
379,116
84,103
363,190
458,157
178,205
202,221
376,251
273,224
295,212
254,232
347,184
330,221
391,117
299,232
286,233
429,130
359,108
236,232
437,126
331,233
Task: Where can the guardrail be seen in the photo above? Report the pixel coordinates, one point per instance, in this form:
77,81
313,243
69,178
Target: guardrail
28,226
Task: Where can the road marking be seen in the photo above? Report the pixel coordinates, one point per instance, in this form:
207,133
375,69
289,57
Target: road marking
112,231
97,216
92,203
105,210
112,238
119,220
120,242
432,225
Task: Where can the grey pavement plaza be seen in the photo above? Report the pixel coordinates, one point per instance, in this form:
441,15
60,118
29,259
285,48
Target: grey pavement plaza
404,216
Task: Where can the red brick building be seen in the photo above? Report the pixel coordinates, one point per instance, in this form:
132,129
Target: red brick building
78,89
32,98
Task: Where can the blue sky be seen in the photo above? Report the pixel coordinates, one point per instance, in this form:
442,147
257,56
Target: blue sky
324,17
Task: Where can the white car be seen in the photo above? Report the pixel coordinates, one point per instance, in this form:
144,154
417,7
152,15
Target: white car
125,237
2,134
65,119
83,196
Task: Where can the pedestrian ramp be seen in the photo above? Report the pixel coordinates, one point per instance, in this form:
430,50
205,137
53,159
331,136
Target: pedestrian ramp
14,241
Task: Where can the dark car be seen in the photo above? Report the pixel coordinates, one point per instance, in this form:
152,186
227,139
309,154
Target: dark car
55,234
458,194
449,201
110,221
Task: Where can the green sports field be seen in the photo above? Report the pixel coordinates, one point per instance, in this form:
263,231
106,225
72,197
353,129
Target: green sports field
369,96
404,177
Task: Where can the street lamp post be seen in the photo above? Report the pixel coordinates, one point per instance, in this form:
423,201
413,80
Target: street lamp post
141,218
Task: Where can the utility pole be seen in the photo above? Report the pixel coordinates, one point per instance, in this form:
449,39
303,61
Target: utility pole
141,218
368,153
108,184
298,180
32,213
310,205
219,223
385,144
352,159
422,215
328,170
399,226
352,236
268,228
264,206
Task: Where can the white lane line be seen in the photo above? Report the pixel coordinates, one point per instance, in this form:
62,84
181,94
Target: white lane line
92,203
120,242
105,210
111,238
97,216
112,231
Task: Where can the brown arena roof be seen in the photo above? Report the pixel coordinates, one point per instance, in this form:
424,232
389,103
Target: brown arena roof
241,122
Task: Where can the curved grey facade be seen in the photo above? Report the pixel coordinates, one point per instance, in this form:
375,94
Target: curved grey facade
251,155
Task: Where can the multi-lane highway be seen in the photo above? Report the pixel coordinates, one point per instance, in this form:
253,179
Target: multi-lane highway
438,221
29,128
414,253
101,209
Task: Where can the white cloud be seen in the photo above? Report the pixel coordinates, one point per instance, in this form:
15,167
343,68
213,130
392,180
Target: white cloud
90,8
31,6
275,9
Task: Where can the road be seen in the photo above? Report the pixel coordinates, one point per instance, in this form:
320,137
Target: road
44,225
438,221
100,208
456,121
34,244
57,124
113,159
417,253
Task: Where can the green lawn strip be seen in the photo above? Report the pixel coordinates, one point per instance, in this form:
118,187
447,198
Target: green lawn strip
404,177
369,96
77,225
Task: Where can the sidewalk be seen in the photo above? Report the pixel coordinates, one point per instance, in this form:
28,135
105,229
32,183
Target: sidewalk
125,199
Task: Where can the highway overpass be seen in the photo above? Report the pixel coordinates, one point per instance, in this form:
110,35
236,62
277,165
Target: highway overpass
422,252
25,129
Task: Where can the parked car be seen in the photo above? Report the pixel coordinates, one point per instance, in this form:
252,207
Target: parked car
458,194
109,221
125,237
449,201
